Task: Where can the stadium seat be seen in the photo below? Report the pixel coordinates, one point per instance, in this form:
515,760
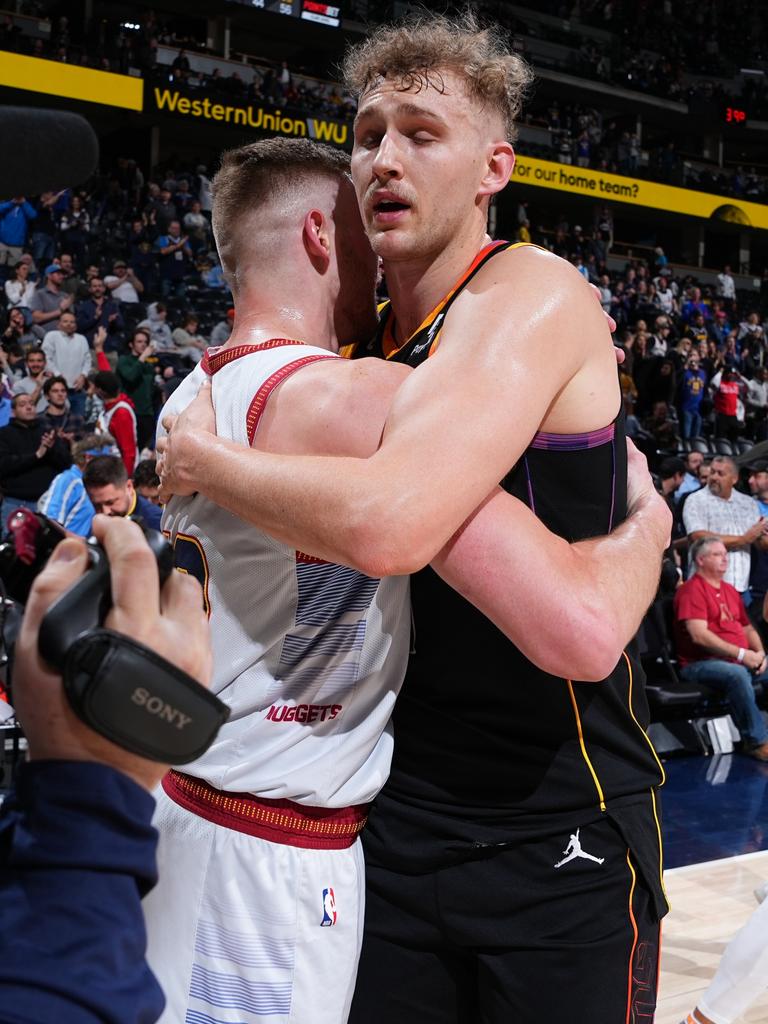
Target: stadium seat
700,444
723,446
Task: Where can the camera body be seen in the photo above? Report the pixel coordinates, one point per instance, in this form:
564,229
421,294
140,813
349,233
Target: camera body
118,687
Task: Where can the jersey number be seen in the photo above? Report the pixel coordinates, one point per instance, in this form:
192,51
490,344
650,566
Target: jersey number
189,557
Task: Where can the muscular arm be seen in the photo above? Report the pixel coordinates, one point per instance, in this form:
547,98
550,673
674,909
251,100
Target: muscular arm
339,408
453,431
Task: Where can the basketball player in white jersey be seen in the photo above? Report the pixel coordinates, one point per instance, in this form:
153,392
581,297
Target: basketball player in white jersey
260,901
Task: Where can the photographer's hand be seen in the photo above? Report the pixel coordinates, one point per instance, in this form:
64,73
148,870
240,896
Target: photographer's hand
171,622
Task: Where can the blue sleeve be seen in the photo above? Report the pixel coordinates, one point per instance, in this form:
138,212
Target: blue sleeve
6,206
29,211
77,853
150,513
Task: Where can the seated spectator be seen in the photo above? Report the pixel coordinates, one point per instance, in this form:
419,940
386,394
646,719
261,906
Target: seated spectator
19,291
718,509
212,276
136,370
100,311
222,330
146,481
69,356
118,418
112,492
661,426
159,331
123,284
66,500
31,455
691,482
198,227
716,643
37,374
58,414
671,475
17,332
188,343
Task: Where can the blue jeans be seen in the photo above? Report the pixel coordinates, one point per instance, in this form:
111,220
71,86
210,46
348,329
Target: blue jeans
43,248
736,682
77,401
691,424
9,506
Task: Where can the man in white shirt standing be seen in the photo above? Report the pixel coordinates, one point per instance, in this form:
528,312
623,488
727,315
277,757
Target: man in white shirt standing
726,287
69,357
719,510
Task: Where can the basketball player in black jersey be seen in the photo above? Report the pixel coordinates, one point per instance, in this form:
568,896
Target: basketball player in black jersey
514,855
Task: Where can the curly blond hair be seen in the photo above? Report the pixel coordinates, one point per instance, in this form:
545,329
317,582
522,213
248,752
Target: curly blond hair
416,52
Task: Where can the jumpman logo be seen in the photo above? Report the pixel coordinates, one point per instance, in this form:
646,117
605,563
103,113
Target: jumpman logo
573,850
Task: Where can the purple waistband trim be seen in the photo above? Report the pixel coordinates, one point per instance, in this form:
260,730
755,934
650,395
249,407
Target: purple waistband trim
574,442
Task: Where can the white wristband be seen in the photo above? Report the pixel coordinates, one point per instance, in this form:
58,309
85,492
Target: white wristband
740,655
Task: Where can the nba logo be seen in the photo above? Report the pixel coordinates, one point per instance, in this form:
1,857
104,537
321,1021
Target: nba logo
329,909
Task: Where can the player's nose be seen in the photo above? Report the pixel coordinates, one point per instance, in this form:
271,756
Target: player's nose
387,163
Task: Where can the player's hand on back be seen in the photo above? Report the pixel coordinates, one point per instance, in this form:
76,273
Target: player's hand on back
177,464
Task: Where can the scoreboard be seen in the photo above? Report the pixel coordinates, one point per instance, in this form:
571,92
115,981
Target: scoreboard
307,10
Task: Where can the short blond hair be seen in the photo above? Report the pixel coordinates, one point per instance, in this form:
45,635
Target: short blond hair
259,173
416,51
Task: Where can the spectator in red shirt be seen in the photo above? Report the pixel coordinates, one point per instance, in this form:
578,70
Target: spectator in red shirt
716,643
726,404
118,418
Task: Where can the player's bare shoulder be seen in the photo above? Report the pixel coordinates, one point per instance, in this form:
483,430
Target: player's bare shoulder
530,274
331,407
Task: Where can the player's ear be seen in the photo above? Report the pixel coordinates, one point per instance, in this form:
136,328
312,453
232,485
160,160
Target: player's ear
498,170
317,239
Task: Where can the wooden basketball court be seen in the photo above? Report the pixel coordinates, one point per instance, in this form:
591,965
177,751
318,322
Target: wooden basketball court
710,902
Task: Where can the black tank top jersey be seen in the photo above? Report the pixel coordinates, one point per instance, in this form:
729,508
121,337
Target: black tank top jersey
480,732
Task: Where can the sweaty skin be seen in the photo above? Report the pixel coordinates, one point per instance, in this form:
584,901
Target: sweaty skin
339,408
526,347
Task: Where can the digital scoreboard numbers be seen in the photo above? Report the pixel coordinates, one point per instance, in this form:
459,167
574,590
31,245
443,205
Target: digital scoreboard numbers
322,13
307,10
735,115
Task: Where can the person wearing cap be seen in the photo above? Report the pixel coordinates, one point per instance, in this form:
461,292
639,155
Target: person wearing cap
66,500
123,283
221,332
49,302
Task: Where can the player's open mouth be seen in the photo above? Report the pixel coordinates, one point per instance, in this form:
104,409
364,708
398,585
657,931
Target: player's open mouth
389,209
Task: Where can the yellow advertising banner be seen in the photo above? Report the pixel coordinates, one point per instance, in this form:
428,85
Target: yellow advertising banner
616,188
74,83
249,116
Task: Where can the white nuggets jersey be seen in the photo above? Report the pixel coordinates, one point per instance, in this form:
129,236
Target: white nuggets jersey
309,655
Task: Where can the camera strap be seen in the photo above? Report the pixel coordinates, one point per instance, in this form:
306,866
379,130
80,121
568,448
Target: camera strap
138,700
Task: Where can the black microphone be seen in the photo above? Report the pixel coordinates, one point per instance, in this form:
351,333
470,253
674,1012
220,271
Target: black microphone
45,150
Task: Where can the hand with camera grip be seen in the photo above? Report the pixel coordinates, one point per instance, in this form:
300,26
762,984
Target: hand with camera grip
171,622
